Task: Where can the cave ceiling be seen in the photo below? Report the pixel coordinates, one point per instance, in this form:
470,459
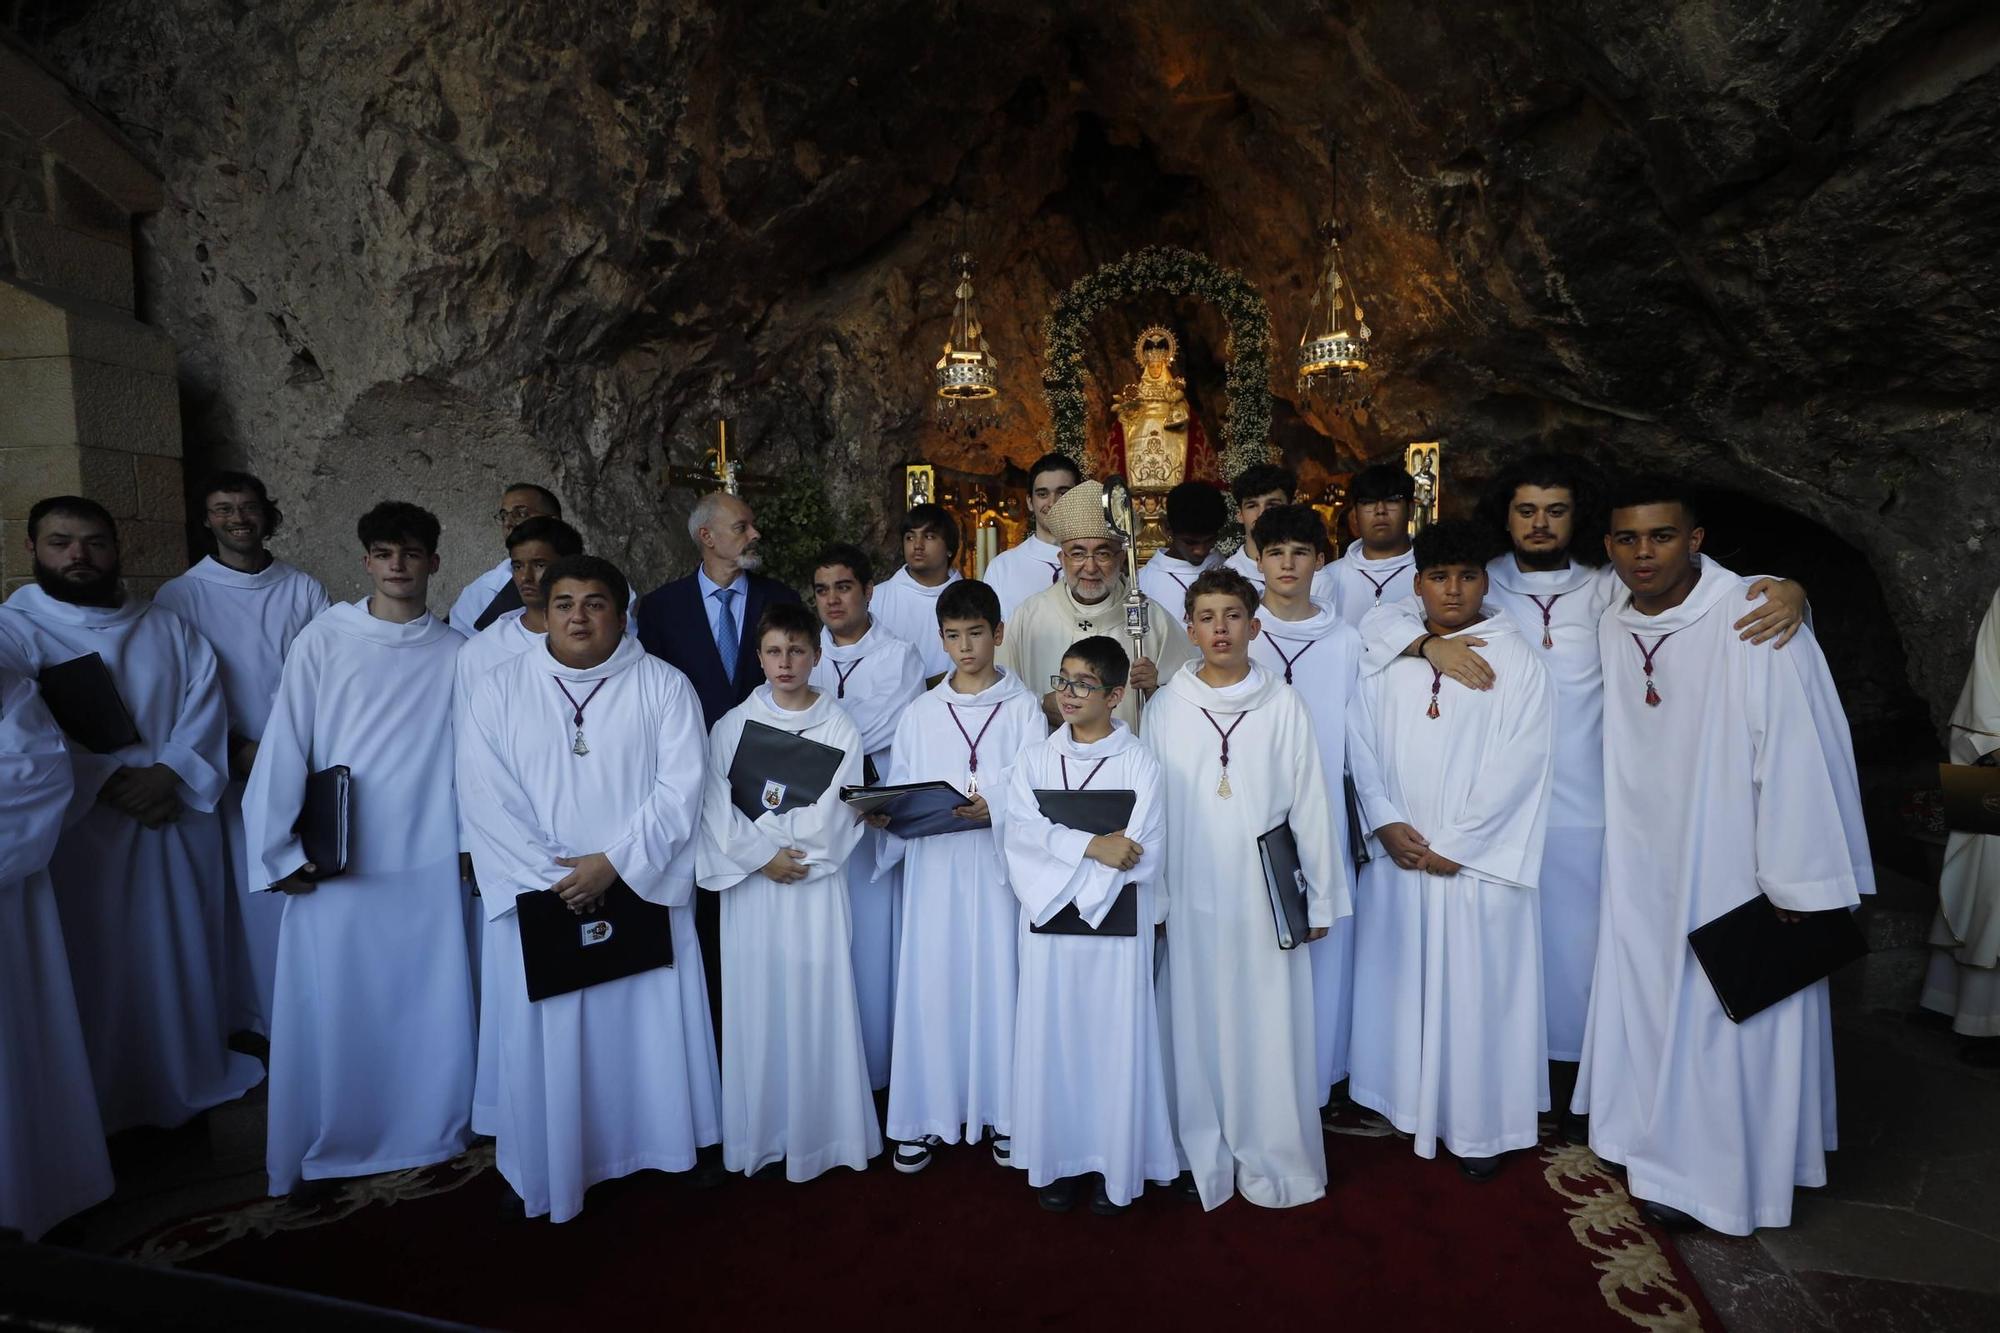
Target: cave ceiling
434,242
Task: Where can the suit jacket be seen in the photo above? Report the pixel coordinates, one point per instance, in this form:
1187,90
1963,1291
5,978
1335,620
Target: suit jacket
673,626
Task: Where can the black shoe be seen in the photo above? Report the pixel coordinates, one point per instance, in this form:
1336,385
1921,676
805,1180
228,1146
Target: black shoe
1928,1018
1479,1168
1667,1219
770,1171
1058,1196
708,1170
1575,1129
511,1208
1186,1188
1100,1202
1981,1053
313,1193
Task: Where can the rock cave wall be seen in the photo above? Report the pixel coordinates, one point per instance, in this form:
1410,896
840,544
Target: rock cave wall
427,248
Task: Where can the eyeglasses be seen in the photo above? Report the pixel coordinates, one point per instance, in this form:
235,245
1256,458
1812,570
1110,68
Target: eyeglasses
518,514
1076,689
1389,503
225,512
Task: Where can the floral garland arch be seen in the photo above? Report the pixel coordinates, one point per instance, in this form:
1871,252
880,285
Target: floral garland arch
1246,423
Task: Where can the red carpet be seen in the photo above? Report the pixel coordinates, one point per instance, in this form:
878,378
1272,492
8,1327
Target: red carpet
1552,1244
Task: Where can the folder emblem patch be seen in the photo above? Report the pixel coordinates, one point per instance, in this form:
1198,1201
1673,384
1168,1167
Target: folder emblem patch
774,794
594,932
1299,878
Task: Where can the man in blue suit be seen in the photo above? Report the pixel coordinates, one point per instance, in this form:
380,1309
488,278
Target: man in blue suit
705,625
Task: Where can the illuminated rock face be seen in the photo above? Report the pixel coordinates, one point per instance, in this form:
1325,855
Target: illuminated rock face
429,249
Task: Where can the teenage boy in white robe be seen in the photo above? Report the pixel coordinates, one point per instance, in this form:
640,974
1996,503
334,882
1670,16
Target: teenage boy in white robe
533,545
1309,647
1021,571
1376,568
954,1049
794,1073
1729,772
1090,1084
52,1159
139,873
618,1077
1195,517
372,1031
249,605
873,675
1550,509
1257,488
1089,600
905,603
1239,757
1449,1043
492,591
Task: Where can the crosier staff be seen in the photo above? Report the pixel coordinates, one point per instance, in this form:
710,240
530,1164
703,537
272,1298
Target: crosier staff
1119,517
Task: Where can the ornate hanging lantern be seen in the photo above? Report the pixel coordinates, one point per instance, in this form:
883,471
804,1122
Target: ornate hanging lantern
968,377
1332,348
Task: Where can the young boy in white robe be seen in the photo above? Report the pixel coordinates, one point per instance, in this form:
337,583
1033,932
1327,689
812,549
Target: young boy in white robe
1194,519
794,1073
1449,1043
1239,757
1729,773
873,676
1310,648
372,1029
586,772
905,603
533,544
1257,488
1090,1086
954,1049
1376,569
52,1158
249,605
138,873
1035,564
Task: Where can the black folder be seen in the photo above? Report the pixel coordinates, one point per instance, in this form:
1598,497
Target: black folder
775,771
83,699
1357,836
323,826
1285,881
1753,960
915,809
1091,812
562,952
1971,798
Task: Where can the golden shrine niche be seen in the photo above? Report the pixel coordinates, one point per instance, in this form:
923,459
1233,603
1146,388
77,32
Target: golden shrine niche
1155,440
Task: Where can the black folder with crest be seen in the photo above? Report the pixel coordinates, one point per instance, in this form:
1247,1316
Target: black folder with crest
915,809
1285,881
83,698
1753,959
323,826
562,951
775,771
1094,812
1971,798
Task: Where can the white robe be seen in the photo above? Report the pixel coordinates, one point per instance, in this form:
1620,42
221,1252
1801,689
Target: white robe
1090,1083
52,1159
1360,584
618,1077
908,610
883,675
250,621
1241,1009
1449,1042
1964,976
955,970
1573,853
478,595
1323,585
1326,657
1019,572
1049,622
142,909
372,1032
1166,579
1740,781
499,643
794,1074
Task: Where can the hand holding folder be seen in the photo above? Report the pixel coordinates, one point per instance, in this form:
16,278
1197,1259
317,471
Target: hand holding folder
915,809
1096,813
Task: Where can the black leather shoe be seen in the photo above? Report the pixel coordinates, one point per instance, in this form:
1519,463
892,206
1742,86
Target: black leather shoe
1186,1188
1667,1219
1100,1202
1479,1168
1575,1129
1058,1196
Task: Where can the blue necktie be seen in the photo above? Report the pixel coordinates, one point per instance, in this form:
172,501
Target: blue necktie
725,632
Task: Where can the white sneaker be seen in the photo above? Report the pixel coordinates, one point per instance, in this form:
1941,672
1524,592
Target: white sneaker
1003,1150
914,1156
